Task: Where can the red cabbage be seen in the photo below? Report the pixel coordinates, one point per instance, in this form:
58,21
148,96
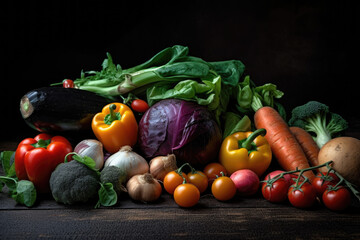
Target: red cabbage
183,128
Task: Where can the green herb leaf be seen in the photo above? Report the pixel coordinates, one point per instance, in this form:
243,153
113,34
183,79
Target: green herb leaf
88,161
25,193
107,195
9,182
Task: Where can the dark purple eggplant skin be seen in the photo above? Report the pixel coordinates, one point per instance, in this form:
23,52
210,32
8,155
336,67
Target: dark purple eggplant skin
57,109
185,129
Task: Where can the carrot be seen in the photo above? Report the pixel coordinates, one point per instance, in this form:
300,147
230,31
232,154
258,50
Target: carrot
308,144
283,144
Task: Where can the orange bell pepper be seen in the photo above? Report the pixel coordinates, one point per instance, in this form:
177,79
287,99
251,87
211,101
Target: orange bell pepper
115,127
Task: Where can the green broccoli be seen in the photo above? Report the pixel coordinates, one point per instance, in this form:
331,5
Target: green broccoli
73,182
114,175
316,118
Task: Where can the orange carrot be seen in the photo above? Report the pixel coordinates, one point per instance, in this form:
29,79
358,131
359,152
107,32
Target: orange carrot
283,144
308,144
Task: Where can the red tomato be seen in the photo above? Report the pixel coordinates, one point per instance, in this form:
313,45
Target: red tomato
174,179
277,191
68,83
223,188
337,199
212,170
199,179
290,178
139,105
302,196
186,195
322,181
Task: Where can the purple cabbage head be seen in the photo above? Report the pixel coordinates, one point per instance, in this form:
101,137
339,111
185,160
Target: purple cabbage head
183,128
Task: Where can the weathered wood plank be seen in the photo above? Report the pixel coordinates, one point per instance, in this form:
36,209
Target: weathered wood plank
178,223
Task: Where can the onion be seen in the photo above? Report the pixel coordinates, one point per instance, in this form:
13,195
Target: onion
91,148
143,187
161,165
129,161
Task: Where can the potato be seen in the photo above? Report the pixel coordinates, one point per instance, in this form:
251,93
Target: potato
345,153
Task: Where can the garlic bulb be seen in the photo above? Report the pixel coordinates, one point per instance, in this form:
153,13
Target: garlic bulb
93,149
129,161
143,187
162,165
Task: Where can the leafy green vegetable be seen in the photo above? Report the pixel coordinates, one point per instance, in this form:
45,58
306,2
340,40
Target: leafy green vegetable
173,73
7,162
234,123
23,191
204,93
169,65
250,97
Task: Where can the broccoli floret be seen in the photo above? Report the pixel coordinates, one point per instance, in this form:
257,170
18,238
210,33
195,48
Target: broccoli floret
73,182
114,175
315,117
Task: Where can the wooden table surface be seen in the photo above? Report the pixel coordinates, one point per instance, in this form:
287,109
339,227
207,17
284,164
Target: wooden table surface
241,218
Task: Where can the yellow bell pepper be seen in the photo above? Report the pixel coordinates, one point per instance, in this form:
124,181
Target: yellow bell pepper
246,150
115,127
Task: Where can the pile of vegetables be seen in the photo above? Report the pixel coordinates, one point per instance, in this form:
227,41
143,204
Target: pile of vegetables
179,124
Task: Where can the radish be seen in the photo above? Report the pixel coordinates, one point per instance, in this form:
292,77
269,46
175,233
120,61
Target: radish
246,181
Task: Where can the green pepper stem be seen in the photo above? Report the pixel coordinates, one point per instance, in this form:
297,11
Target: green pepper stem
247,143
112,117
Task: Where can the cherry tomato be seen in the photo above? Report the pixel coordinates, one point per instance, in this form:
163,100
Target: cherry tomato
337,199
223,188
302,196
277,191
139,105
322,181
214,169
290,177
174,179
186,195
199,179
68,83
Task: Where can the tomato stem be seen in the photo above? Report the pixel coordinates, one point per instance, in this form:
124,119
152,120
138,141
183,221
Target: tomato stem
348,184
301,171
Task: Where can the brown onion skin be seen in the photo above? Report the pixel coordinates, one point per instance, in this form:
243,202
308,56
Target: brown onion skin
144,188
162,165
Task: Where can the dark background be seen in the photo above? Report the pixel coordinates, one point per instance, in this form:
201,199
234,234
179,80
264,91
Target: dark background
307,48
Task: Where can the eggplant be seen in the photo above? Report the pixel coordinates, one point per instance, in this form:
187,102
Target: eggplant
57,109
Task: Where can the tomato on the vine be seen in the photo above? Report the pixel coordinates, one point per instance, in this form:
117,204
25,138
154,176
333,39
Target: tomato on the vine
223,188
337,199
139,105
212,170
68,83
199,179
186,195
277,191
174,179
322,180
303,195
